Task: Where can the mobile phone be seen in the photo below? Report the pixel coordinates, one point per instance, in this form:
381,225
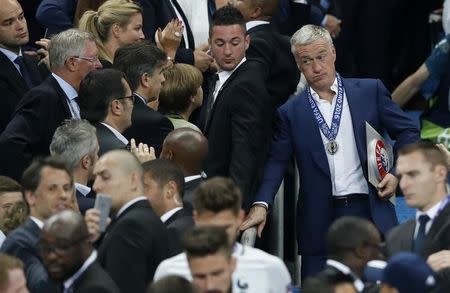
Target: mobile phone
103,204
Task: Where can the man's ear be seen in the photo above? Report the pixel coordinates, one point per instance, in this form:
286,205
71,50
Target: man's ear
170,189
116,107
86,162
30,198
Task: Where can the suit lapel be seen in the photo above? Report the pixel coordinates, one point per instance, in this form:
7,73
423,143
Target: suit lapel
11,72
439,223
62,95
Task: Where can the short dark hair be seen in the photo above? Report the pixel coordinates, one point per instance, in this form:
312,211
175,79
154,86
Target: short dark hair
227,15
163,171
325,283
216,195
97,90
8,185
346,234
32,175
206,240
172,284
136,59
7,263
429,150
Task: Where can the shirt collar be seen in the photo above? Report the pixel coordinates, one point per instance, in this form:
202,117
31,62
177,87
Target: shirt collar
130,203
252,23
315,95
83,189
116,133
70,92
433,211
191,178
37,221
169,214
359,285
224,75
10,54
69,282
141,97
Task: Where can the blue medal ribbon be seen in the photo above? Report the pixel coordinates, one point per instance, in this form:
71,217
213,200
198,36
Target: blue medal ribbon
329,132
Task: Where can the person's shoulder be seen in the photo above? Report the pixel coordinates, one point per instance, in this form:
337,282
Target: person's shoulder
175,265
251,254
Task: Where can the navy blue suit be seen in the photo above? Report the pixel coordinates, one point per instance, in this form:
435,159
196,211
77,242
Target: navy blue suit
299,135
22,243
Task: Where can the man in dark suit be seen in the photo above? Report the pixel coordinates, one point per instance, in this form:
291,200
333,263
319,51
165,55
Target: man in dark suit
331,160
136,240
143,64
163,186
44,107
18,71
76,143
156,14
69,257
237,126
48,189
422,170
272,48
187,148
106,101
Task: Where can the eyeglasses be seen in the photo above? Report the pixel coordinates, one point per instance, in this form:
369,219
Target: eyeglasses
127,97
45,248
90,59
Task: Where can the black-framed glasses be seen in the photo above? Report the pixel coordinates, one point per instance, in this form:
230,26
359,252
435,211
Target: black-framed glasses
45,248
86,58
127,97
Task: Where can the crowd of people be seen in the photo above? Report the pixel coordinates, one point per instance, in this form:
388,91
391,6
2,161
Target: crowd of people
138,139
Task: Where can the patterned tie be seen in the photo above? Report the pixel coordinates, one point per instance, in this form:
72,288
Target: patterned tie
24,71
210,98
418,242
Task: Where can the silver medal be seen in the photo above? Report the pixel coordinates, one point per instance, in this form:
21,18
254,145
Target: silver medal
332,147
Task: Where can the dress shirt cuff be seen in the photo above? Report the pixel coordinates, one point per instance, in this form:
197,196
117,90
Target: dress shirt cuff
262,204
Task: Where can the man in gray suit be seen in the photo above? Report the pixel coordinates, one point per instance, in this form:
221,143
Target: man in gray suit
422,171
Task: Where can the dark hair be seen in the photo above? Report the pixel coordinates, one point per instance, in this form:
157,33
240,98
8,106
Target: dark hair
206,240
325,283
429,150
163,171
227,15
7,263
137,59
32,175
172,284
216,195
8,185
346,234
97,90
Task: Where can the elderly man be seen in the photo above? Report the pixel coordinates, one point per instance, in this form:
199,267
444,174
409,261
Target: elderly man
324,128
73,54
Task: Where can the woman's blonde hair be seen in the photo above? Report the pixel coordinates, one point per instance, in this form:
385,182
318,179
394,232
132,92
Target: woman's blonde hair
99,22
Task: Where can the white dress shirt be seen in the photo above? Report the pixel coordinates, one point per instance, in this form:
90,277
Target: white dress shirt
359,285
116,133
169,214
83,189
128,204
223,77
432,212
71,94
345,167
38,222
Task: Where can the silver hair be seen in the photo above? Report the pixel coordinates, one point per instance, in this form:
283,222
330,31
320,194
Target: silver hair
310,33
73,140
66,44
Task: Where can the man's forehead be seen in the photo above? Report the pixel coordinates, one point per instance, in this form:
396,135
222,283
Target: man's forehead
9,9
228,31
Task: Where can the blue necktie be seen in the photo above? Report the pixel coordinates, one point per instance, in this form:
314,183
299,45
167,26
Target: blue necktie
211,8
418,242
23,71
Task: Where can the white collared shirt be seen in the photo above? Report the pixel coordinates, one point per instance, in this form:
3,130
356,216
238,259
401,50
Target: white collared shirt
83,189
432,213
223,77
191,178
252,23
346,172
69,282
359,285
169,214
12,57
130,203
140,97
71,94
2,237
116,133
37,221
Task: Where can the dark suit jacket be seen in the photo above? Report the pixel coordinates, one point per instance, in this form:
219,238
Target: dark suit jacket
13,86
84,202
177,225
401,238
157,13
22,243
134,245
238,129
274,50
148,126
298,135
107,141
94,280
188,192
31,130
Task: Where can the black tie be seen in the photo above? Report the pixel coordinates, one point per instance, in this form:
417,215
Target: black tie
24,71
418,242
211,8
210,98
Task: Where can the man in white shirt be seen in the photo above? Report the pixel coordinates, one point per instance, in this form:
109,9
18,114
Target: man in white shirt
218,202
69,257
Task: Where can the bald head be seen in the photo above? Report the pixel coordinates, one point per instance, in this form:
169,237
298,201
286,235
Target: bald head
67,224
187,148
